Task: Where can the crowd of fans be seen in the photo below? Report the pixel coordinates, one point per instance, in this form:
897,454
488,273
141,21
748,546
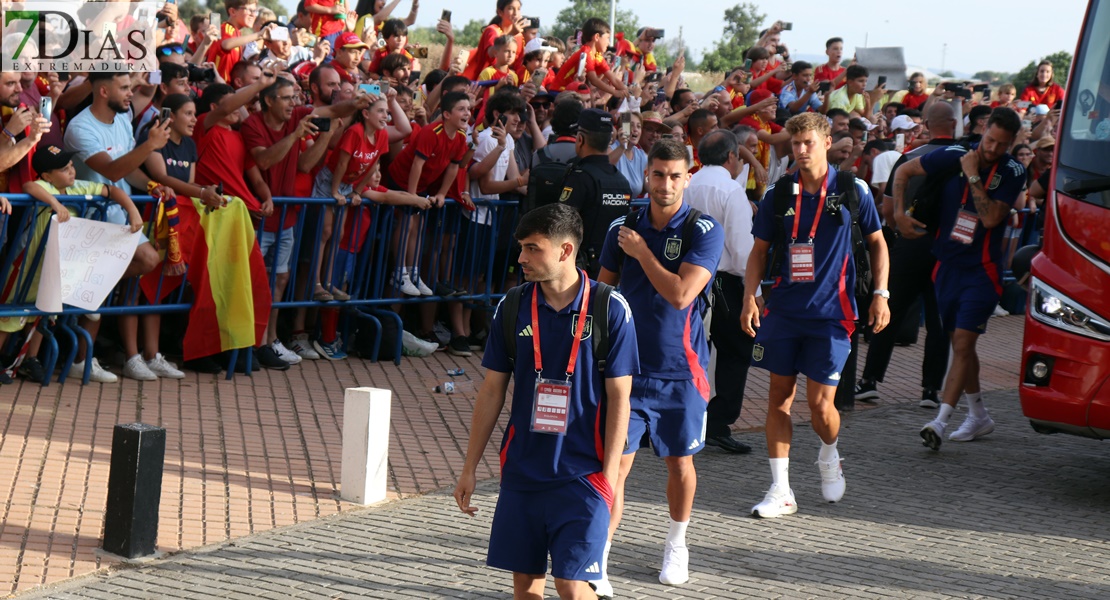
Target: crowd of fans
338,104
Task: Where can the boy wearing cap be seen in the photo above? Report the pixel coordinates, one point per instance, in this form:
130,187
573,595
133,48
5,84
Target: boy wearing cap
240,14
347,55
58,177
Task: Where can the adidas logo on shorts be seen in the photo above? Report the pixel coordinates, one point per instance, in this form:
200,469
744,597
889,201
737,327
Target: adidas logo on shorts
694,444
594,568
834,377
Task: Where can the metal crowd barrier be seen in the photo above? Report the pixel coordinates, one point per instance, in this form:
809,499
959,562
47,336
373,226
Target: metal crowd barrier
481,262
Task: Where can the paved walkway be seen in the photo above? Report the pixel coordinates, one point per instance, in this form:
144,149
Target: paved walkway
1014,515
255,454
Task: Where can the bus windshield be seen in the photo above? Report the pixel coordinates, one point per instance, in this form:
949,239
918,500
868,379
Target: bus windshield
1085,140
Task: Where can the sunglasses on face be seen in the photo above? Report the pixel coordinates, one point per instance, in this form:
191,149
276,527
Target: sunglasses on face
168,50
541,105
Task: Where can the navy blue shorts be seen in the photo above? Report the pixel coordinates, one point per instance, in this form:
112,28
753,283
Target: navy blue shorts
816,349
966,298
569,522
667,414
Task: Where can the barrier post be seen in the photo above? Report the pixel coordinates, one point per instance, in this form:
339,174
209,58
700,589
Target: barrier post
134,490
365,468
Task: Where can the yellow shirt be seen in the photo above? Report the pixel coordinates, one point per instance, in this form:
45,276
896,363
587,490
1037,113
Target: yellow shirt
839,99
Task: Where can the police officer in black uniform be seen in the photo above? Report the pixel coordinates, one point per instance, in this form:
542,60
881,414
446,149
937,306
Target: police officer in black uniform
593,186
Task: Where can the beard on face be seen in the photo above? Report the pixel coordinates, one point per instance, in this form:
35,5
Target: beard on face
119,107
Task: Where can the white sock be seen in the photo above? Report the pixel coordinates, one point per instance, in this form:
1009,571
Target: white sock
975,406
944,412
605,561
828,452
677,534
780,471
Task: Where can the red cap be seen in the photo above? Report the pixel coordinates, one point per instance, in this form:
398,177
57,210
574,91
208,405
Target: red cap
348,39
579,87
758,96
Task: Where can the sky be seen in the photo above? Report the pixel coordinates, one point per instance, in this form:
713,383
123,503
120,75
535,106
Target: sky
980,35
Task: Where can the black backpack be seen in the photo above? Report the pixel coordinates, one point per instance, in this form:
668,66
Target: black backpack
599,335
545,181
784,200
927,201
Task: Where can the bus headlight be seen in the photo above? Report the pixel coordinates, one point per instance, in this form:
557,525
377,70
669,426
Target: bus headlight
1057,310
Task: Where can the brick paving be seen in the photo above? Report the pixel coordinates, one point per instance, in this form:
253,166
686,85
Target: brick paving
254,454
1014,515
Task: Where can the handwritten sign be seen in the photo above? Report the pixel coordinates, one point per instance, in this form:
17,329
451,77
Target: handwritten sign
83,262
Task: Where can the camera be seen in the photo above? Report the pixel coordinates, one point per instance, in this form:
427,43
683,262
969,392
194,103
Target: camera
322,123
533,22
201,74
787,26
658,33
824,87
420,52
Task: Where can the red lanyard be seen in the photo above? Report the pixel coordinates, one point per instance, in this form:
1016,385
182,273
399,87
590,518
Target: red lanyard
986,184
577,334
820,208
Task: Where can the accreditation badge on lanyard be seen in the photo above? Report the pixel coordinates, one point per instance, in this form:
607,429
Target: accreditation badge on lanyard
966,221
802,264
551,400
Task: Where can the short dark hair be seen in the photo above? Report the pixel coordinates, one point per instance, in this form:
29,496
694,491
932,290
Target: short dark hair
880,145
433,78
596,140
857,124
96,77
897,106
451,99
503,103
230,4
800,66
267,95
698,118
212,94
1006,118
910,112
667,149
553,221
391,62
594,26
240,69
394,27
757,53
678,95
829,42
565,116
316,74
715,147
855,71
837,112
173,71
453,81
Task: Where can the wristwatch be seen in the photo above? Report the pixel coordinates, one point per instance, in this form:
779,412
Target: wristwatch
883,293
974,179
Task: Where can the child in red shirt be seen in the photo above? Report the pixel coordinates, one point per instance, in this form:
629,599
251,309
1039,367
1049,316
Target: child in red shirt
329,18
229,50
396,36
595,41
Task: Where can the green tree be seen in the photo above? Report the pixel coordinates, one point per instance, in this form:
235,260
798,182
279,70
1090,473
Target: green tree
946,74
742,25
992,76
572,17
187,8
1061,64
470,34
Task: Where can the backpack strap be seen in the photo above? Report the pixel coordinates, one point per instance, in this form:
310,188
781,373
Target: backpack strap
600,333
510,306
846,184
782,196
630,222
688,231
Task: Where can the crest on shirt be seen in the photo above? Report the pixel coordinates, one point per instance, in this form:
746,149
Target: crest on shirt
587,329
757,352
566,194
673,248
995,182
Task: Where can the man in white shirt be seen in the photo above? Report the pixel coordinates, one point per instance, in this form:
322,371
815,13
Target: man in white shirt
714,191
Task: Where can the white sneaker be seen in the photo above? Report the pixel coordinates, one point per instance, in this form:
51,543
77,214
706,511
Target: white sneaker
303,347
285,354
1000,312
414,276
676,565
136,369
932,434
164,368
96,375
832,479
414,346
779,501
602,588
972,428
403,283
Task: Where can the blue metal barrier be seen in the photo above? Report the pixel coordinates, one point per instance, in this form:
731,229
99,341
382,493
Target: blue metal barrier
439,257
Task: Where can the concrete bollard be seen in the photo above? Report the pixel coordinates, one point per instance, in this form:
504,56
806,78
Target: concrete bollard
365,468
134,490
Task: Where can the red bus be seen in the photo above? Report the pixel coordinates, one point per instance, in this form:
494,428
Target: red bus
1066,355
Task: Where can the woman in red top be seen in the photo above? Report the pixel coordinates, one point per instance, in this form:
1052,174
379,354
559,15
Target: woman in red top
507,22
1042,90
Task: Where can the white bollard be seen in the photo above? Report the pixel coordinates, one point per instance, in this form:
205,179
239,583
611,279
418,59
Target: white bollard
365,468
